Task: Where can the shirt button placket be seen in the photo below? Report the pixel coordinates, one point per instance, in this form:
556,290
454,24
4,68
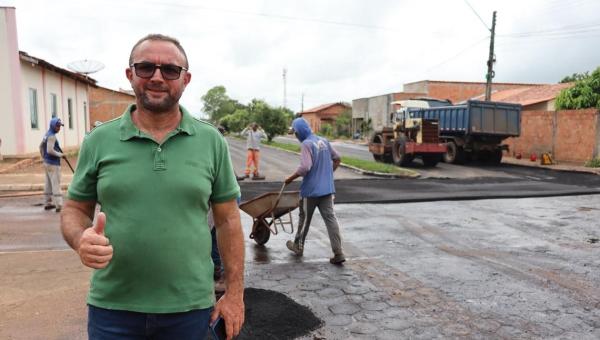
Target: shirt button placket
159,159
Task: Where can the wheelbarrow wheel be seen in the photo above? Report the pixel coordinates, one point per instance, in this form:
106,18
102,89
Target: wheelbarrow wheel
261,233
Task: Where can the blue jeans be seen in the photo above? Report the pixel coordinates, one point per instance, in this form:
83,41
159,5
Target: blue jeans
118,324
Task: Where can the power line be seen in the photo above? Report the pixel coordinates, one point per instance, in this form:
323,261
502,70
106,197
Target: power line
273,16
477,14
565,30
458,54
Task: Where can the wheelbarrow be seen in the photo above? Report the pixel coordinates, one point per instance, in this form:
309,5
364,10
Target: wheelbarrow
267,211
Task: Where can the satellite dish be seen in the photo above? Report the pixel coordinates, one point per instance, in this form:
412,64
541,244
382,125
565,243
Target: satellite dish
85,66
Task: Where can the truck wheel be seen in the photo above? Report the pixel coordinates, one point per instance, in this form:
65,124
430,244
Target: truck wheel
398,152
454,154
430,160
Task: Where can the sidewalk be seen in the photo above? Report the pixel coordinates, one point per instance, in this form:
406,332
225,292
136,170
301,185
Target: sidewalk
29,182
559,167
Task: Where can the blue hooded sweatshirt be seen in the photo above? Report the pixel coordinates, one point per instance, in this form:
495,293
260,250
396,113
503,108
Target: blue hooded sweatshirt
48,158
319,179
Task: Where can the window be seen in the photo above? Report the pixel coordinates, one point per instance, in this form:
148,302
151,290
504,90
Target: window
70,112
85,117
53,105
33,108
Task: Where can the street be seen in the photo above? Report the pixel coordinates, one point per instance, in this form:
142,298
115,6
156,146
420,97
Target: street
445,181
472,269
442,263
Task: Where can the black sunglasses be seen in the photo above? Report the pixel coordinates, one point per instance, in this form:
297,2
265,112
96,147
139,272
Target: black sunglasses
146,70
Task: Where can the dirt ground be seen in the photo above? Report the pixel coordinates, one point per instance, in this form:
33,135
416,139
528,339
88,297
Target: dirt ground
8,166
38,304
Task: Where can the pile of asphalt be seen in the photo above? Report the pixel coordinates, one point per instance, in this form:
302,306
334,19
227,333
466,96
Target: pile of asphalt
272,315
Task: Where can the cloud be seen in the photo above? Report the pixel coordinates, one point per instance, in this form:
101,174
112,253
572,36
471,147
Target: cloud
333,50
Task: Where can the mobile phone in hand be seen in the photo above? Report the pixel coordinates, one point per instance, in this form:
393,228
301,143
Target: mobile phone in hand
218,329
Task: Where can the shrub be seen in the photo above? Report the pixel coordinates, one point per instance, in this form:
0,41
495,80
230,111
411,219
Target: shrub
326,130
593,163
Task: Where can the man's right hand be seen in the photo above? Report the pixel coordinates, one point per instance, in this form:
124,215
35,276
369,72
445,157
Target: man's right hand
94,248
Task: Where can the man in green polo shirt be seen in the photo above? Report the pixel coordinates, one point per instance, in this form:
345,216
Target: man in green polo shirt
154,171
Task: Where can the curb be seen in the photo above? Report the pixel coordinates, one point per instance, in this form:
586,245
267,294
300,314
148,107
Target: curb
556,167
28,187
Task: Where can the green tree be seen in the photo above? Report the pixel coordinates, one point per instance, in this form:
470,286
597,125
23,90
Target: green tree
217,104
343,124
326,130
237,121
274,121
584,94
575,77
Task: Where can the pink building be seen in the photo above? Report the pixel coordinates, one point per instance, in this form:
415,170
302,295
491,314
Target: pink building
32,91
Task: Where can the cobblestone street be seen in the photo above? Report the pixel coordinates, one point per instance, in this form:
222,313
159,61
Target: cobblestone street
527,273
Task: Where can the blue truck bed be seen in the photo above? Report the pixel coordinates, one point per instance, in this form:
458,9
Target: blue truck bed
475,118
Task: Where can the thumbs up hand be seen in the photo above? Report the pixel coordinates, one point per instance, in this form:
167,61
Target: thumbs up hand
94,248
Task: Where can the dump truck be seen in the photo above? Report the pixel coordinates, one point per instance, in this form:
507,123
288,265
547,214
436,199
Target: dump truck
408,138
473,130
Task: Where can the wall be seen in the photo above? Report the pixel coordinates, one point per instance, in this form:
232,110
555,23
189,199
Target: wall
106,104
326,116
11,115
543,106
576,135
313,121
549,105
570,135
332,112
359,107
359,111
379,109
48,82
456,91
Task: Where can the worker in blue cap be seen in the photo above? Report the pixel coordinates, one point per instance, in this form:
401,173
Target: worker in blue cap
51,154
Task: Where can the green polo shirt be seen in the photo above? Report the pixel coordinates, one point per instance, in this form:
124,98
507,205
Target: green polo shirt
156,198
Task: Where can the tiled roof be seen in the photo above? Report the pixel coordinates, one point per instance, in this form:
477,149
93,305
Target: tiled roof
324,107
37,61
529,95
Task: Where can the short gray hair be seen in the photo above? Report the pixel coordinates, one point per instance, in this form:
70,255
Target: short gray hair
160,37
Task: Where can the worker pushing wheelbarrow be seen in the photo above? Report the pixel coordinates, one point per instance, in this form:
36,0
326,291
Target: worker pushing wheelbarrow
267,211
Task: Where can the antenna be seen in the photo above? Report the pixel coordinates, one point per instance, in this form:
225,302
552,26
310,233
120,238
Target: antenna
85,66
284,88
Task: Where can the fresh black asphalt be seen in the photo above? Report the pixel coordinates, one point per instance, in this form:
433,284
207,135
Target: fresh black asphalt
528,182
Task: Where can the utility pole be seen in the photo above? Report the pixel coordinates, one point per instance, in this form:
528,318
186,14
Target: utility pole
302,103
490,62
284,88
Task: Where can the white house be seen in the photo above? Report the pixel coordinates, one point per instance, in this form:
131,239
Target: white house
32,91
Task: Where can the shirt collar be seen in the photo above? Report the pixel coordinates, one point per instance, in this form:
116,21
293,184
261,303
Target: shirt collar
129,130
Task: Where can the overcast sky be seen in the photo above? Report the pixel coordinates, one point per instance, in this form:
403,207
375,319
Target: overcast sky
333,50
